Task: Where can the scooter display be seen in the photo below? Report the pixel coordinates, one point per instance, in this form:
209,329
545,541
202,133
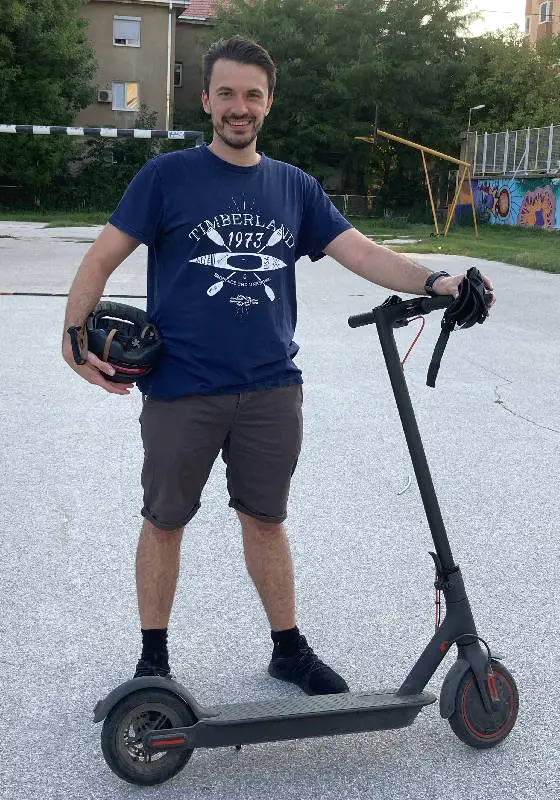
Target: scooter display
152,725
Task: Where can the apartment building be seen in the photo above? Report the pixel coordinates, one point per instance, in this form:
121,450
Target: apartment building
134,44
542,19
190,44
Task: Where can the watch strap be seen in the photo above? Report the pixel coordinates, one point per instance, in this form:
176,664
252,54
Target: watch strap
431,279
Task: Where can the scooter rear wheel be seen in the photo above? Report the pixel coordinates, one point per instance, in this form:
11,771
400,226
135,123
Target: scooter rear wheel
125,727
472,723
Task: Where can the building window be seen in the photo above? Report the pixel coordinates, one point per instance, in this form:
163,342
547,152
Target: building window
126,31
545,12
125,96
527,26
178,75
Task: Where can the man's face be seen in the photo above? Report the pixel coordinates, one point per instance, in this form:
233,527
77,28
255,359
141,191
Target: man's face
238,101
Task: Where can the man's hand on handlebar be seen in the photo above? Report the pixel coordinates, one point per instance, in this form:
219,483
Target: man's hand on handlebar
450,286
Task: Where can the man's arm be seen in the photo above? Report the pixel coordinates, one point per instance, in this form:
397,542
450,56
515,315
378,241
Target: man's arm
108,251
382,266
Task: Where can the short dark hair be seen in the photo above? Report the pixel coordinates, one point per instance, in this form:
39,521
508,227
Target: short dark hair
242,50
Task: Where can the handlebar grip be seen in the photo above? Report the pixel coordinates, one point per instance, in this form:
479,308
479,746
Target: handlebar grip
428,304
361,319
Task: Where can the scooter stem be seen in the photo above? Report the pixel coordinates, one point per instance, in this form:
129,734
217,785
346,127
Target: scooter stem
414,442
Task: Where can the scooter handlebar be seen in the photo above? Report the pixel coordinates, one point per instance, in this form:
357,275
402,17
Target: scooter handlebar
361,319
394,309
428,304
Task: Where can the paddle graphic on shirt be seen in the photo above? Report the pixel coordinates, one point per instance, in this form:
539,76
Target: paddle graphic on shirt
241,261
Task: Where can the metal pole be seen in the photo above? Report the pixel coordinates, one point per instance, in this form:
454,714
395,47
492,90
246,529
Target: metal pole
484,154
473,205
414,145
110,133
430,192
169,73
475,151
455,199
549,157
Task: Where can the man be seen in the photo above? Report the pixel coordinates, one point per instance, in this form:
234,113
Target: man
224,226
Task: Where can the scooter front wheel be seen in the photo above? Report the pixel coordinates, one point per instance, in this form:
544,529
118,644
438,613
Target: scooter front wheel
472,723
125,727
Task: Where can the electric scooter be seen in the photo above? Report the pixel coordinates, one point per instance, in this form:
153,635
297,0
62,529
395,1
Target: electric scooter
152,725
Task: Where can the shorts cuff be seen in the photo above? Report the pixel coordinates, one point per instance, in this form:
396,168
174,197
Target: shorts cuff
238,506
169,526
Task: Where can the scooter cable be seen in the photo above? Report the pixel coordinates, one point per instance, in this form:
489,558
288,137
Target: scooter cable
474,636
415,338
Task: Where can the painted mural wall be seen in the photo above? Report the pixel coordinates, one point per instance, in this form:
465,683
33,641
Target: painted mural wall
533,202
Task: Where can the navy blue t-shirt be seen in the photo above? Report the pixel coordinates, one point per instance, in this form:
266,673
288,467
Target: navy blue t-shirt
222,245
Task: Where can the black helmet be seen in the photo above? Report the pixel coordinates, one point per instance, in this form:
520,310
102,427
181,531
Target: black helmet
470,307
121,335
472,304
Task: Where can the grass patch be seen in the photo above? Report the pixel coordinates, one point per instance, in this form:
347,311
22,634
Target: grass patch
57,219
526,247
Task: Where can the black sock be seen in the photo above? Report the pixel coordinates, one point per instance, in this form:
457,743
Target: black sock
287,641
154,646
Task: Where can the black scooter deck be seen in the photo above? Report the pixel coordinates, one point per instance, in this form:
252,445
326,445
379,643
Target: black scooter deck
295,718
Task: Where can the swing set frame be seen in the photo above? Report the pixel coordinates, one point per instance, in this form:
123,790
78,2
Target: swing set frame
465,170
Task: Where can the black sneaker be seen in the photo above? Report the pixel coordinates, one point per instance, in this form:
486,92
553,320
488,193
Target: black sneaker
145,668
306,670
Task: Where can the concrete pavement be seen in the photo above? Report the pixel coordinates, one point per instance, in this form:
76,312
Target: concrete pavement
70,461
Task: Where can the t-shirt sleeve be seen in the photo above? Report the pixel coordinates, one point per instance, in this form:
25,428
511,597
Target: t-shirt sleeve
140,210
321,223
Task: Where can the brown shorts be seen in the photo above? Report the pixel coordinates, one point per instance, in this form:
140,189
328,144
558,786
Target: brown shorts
258,433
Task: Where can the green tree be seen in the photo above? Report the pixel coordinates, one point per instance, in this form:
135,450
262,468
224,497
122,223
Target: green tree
516,80
337,60
46,68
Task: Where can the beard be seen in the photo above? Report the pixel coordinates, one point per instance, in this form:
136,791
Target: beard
238,142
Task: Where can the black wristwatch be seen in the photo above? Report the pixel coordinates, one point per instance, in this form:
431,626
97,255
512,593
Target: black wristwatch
431,279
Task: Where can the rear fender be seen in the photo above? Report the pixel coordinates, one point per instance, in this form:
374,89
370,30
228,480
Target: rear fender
103,707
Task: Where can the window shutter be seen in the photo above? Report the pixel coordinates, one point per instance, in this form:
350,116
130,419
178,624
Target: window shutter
126,29
118,95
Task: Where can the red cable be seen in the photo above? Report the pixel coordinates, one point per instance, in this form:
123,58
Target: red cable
415,339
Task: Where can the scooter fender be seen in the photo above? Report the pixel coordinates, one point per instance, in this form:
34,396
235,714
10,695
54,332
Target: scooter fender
103,707
450,686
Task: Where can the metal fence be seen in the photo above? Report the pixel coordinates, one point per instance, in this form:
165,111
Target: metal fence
529,151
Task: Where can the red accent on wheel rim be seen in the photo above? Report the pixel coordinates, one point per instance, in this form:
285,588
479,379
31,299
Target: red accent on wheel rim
464,709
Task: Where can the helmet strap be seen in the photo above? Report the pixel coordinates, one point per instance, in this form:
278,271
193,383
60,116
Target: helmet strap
110,337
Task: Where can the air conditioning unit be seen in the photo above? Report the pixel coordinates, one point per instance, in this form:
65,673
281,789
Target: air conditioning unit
104,96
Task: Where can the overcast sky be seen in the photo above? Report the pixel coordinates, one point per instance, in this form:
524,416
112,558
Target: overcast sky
498,14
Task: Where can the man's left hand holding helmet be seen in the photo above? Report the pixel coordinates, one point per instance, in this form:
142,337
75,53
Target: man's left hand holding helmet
110,249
